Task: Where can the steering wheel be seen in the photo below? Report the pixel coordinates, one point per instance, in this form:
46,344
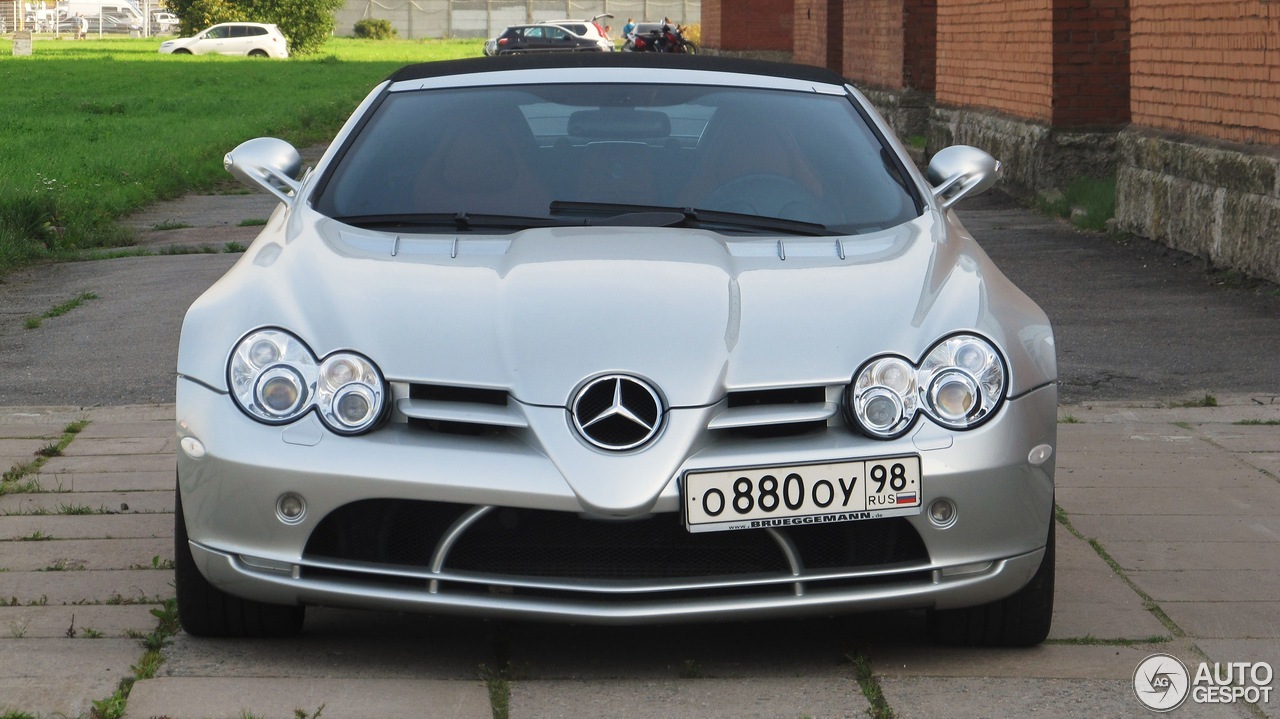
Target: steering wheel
765,195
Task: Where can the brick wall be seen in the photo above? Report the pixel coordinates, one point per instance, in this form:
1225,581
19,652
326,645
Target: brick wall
1091,62
920,43
1207,67
997,56
873,48
748,25
811,36
818,32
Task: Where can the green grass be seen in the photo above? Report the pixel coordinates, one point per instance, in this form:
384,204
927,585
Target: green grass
1207,401
1088,201
105,127
32,323
1258,422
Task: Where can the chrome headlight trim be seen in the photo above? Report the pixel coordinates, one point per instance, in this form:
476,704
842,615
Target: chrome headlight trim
351,393
971,364
265,356
959,384
274,378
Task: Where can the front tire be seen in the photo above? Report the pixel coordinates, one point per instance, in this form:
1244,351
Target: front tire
206,611
1019,620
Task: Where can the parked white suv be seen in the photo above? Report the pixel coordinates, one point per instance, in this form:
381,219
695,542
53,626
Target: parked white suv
254,39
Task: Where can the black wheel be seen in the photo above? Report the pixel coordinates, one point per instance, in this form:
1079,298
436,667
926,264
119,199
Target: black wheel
1019,620
690,48
257,53
206,611
181,52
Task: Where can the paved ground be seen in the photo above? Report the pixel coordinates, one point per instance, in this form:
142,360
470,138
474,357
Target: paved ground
1171,526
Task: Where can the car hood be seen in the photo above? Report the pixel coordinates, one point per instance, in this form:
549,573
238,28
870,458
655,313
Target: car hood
539,312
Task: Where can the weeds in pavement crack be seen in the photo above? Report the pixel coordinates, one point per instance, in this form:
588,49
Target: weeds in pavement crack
870,686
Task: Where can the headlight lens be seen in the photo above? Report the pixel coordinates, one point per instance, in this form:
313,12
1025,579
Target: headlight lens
959,384
883,400
275,379
350,394
964,381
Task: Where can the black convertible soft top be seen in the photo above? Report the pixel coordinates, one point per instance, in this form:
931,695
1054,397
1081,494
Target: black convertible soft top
547,61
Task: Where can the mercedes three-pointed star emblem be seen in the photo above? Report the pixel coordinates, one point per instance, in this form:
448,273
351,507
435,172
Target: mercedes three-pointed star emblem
617,412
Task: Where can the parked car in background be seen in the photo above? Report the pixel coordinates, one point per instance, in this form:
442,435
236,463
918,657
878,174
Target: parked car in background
596,339
107,25
542,37
593,28
164,22
232,38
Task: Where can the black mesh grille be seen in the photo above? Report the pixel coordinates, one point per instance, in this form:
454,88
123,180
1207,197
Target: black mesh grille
565,545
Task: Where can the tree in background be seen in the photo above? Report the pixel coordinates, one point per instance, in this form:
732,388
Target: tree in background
304,23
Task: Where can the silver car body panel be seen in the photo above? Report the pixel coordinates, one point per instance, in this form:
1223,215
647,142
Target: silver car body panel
705,315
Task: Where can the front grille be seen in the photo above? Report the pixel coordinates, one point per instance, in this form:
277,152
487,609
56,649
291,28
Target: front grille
562,545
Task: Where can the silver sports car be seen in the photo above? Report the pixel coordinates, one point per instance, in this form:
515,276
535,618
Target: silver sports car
616,338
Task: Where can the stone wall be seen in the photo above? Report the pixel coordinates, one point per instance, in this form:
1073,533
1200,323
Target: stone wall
1035,155
1216,201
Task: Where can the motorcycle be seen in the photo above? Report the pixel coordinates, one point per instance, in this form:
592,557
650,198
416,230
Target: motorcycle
658,41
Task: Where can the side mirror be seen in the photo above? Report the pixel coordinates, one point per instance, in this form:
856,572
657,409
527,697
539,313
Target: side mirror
266,162
959,171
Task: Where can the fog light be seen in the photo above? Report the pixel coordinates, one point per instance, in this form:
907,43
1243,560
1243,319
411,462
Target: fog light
290,508
942,513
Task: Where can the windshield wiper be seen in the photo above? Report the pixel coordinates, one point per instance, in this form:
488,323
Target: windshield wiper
461,221
618,214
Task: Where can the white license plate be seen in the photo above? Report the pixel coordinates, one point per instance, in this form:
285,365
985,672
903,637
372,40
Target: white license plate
801,494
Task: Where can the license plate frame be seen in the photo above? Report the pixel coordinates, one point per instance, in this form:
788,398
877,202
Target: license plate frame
800,494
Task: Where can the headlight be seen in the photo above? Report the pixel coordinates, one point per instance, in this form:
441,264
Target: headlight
959,384
275,379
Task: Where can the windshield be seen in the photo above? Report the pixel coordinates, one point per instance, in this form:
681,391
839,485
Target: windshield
540,151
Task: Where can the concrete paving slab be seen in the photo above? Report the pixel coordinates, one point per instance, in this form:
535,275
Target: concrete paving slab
88,446
704,698
1047,661
90,585
87,502
13,451
1243,438
279,698
1106,470
1174,556
1160,528
1246,650
1227,620
62,657
1256,585
1210,497
48,433
46,418
106,481
99,429
54,697
1000,698
85,554
114,621
90,526
155,412
112,463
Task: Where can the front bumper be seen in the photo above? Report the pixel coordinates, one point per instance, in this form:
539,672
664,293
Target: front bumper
240,543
